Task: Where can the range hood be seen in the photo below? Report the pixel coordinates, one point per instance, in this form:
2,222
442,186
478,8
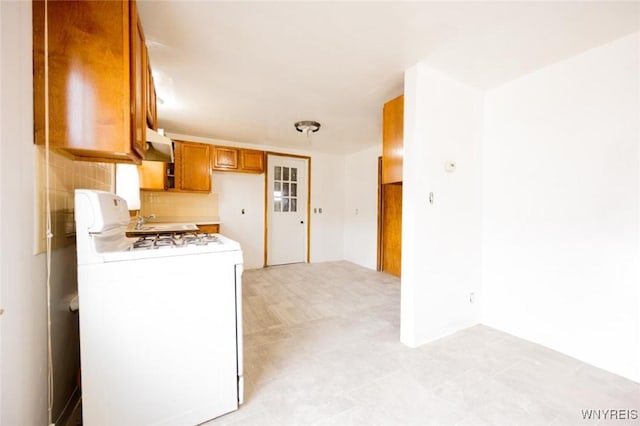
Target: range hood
159,147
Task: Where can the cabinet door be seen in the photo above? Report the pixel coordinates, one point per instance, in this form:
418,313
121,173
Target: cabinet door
392,140
251,161
138,84
152,175
90,98
151,99
193,170
224,158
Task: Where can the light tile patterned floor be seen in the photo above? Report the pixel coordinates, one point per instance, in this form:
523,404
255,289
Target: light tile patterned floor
322,348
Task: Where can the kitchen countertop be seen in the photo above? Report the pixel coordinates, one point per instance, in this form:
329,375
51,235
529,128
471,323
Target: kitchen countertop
198,220
169,224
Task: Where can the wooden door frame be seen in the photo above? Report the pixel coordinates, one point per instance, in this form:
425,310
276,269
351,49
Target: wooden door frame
380,250
266,201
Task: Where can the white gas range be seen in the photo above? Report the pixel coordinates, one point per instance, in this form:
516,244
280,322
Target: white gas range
160,320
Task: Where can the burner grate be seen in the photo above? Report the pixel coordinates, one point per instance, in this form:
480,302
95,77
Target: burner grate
175,240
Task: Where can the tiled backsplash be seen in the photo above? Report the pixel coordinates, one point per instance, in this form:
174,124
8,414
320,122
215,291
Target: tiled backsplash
65,175
178,204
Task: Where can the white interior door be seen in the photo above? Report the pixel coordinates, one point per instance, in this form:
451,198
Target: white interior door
286,209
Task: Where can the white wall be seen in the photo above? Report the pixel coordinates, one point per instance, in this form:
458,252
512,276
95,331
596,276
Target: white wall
561,207
23,355
327,192
237,191
1,203
441,248
361,207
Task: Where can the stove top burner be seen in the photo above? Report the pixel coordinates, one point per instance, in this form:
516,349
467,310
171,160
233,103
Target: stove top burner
160,241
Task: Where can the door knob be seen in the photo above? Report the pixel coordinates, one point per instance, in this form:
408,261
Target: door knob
302,221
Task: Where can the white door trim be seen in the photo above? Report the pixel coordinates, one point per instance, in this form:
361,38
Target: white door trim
266,202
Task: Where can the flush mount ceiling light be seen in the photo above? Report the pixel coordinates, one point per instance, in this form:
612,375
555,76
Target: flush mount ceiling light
307,127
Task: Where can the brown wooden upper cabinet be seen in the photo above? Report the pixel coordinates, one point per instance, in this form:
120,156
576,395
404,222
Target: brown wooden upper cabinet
97,79
231,159
224,158
153,175
251,161
192,166
191,171
392,140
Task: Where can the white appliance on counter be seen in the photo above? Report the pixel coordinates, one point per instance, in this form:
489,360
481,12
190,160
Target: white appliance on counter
160,320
